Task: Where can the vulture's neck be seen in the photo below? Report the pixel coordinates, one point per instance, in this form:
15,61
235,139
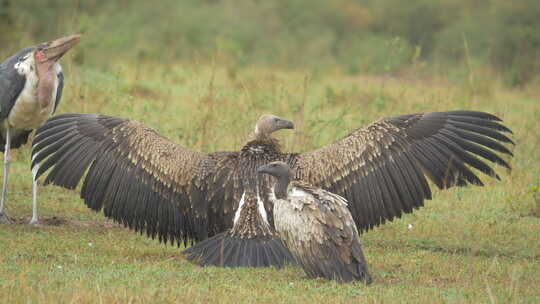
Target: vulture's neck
265,140
282,187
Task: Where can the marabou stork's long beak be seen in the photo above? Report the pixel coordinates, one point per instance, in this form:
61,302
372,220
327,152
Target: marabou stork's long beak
52,51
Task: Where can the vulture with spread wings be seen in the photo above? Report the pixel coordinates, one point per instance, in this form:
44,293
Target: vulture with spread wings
150,184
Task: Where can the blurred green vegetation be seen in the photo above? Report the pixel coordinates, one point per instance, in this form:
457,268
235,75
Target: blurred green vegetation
354,36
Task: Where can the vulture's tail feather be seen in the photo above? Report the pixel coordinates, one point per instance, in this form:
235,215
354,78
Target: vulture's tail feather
228,250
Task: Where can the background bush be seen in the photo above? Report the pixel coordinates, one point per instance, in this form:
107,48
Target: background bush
355,36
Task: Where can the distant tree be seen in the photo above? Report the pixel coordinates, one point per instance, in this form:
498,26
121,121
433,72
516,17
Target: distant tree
516,40
6,21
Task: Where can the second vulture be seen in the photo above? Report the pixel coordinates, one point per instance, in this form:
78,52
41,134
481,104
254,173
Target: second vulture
152,185
317,227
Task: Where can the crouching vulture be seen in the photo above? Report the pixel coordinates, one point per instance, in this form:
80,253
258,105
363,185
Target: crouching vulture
153,185
317,227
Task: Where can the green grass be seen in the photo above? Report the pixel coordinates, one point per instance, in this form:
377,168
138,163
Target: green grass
471,244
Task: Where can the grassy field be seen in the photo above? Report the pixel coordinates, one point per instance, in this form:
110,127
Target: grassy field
471,244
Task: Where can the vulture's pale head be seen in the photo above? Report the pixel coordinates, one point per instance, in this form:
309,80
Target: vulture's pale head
268,124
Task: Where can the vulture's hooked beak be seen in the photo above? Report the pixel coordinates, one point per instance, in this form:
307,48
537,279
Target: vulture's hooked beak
54,50
286,124
277,169
263,169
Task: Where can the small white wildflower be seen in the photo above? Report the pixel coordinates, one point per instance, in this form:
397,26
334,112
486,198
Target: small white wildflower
409,226
59,267
90,244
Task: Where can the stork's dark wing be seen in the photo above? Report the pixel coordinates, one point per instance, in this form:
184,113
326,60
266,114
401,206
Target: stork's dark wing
138,177
381,168
11,85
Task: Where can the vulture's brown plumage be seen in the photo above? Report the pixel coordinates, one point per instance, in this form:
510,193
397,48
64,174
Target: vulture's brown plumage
317,227
151,184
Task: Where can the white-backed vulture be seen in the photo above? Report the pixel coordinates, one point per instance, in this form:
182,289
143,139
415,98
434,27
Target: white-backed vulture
151,184
317,228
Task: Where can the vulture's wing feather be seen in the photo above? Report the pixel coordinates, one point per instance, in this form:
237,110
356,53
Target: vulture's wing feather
381,169
139,178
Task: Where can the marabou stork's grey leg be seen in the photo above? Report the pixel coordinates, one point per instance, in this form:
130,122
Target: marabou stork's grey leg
34,220
7,163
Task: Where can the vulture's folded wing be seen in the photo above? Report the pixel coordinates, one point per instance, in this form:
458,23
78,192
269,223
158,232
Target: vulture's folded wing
332,237
381,169
140,178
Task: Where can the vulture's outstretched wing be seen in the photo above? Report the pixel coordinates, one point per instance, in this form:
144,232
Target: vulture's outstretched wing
381,168
140,179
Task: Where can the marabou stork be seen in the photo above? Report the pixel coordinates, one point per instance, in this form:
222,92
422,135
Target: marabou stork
31,83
